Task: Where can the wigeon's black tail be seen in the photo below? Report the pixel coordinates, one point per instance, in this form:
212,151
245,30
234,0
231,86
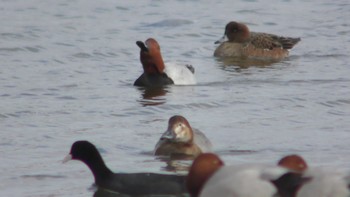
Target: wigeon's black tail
288,42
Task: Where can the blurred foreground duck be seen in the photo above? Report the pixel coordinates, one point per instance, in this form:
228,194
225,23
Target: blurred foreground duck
209,177
323,182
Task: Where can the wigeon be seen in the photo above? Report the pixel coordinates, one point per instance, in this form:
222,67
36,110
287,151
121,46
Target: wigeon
209,177
180,138
322,182
125,183
245,44
156,73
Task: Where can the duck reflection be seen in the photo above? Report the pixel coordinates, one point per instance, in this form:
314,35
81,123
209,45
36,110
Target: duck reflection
242,63
179,163
153,96
107,193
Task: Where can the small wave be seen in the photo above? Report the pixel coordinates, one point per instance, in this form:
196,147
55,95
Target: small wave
11,49
121,8
11,36
27,94
67,98
64,44
170,23
33,49
82,55
42,176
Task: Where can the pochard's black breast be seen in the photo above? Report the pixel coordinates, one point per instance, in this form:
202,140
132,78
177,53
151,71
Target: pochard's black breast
145,184
153,80
289,184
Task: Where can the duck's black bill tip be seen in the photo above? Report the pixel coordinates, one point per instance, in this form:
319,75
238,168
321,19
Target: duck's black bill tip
141,45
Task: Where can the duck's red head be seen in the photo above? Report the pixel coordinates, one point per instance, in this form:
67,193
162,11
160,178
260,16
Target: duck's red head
293,162
203,167
151,57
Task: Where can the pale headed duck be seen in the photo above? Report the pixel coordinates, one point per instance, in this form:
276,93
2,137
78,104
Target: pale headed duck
245,44
158,74
180,138
125,183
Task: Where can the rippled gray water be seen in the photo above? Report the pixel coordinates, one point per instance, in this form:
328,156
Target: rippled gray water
67,69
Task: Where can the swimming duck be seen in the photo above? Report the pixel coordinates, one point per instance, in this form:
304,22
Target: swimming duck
179,138
293,162
124,183
158,74
323,182
209,177
245,44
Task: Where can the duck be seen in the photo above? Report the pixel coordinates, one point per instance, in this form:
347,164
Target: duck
244,44
158,74
125,183
293,162
208,176
323,182
180,138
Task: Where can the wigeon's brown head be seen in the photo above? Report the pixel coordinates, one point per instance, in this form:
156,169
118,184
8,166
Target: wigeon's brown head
179,130
151,57
203,167
237,32
293,162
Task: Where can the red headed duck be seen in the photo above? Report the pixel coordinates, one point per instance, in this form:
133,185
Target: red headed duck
245,44
180,138
325,183
321,182
156,73
125,183
293,162
202,168
209,177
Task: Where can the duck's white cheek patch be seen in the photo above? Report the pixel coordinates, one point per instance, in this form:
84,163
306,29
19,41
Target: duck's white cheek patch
180,133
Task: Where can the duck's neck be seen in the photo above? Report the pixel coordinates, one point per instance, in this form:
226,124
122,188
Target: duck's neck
98,168
152,64
289,184
158,60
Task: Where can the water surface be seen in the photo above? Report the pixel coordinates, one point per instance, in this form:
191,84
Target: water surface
67,69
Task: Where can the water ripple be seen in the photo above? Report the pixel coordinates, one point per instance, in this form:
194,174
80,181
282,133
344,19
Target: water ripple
42,176
170,23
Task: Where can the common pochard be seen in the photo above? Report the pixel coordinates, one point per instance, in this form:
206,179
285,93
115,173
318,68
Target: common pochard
209,177
156,73
293,162
323,182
